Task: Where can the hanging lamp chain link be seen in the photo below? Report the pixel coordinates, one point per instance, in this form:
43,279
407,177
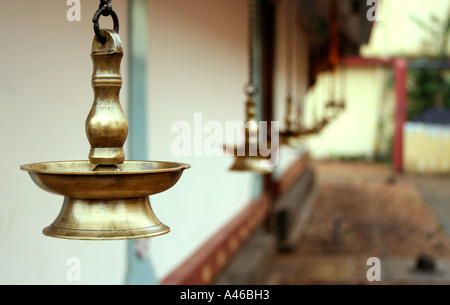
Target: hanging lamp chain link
289,120
289,47
104,9
250,87
106,3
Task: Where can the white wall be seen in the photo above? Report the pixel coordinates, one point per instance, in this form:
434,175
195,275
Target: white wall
197,64
426,148
45,96
369,103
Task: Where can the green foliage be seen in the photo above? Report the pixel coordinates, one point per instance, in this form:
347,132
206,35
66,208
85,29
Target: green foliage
427,88
430,87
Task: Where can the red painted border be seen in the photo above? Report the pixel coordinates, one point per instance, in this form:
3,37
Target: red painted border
401,75
208,261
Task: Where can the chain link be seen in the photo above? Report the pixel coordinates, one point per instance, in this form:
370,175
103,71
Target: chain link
250,88
289,47
104,9
105,3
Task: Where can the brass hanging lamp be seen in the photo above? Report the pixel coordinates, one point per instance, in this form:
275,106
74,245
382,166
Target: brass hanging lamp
333,105
250,156
290,136
296,130
342,102
106,198
324,121
318,124
301,130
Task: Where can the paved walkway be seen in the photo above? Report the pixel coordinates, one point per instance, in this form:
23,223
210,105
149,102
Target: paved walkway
436,193
347,270
340,268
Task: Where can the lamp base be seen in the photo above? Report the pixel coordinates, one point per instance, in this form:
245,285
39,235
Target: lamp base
92,219
252,164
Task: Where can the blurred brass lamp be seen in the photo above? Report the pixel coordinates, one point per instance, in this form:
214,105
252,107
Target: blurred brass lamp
106,198
250,157
290,136
301,131
341,104
317,126
320,124
333,108
334,105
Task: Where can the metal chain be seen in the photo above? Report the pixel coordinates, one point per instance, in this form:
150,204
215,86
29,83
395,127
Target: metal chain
343,82
104,9
250,88
105,3
289,46
289,121
300,100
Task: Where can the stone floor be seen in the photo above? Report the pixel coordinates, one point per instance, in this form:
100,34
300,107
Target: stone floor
364,211
436,193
